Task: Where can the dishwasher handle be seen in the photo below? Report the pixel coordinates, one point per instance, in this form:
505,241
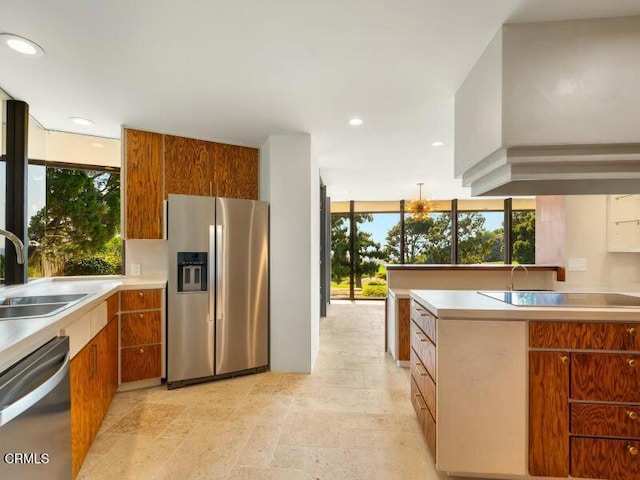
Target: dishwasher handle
24,403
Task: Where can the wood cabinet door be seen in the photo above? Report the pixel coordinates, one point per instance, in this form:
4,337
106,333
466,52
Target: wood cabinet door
112,359
141,363
81,387
236,171
144,185
605,377
548,414
188,166
141,299
140,328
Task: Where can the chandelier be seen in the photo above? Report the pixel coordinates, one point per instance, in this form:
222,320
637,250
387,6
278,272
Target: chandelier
419,208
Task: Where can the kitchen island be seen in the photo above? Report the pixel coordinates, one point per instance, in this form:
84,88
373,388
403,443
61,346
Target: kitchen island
403,278
512,392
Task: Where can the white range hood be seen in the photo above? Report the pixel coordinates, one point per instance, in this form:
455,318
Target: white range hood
553,108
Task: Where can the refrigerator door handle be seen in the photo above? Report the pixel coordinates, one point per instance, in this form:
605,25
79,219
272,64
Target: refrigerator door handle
211,273
219,272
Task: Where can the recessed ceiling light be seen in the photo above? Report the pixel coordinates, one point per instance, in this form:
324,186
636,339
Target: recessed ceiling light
355,122
81,121
22,45
437,144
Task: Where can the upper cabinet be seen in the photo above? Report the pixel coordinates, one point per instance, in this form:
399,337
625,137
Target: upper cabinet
623,223
237,171
143,166
157,165
551,108
188,166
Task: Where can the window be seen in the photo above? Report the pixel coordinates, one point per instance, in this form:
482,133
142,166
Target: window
480,237
377,243
378,240
340,256
523,228
427,240
76,229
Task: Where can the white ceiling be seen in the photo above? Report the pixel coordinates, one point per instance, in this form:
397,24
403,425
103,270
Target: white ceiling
238,71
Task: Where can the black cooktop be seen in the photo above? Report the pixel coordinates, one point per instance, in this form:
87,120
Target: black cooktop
563,299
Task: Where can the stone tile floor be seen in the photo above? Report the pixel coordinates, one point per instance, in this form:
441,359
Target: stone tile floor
350,419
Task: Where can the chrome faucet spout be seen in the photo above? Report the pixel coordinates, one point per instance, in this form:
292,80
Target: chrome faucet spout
17,243
510,287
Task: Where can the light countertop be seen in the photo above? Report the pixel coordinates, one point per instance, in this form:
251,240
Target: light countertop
21,336
467,304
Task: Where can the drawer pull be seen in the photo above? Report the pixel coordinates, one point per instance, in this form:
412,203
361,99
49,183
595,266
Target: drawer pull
564,359
141,294
423,405
632,415
632,450
142,350
632,362
632,331
421,336
141,315
421,370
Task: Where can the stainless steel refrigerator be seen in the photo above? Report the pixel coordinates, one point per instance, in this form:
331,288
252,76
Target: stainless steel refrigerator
217,302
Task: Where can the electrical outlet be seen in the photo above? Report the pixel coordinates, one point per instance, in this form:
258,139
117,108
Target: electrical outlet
136,269
577,264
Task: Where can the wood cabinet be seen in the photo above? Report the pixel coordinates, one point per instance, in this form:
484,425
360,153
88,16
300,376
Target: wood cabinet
423,372
94,380
140,335
144,184
157,165
237,171
548,414
584,400
188,166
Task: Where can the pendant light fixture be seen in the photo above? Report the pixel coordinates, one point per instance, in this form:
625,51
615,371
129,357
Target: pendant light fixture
419,208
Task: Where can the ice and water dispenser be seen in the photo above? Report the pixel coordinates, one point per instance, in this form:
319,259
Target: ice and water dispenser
192,272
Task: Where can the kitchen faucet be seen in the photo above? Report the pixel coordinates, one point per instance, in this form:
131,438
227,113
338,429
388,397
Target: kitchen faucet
16,243
510,287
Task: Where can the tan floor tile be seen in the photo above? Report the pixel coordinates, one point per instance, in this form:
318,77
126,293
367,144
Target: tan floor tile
384,422
147,419
258,451
251,473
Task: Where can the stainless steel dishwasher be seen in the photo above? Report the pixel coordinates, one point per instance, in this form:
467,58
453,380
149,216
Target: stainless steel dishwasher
35,415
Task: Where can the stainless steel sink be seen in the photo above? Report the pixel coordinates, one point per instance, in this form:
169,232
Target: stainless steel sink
41,299
30,306
18,311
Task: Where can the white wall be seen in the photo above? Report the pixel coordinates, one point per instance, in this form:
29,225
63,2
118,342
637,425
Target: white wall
585,236
478,109
289,182
150,254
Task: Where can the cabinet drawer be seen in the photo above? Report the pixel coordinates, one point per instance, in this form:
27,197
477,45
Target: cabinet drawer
585,335
605,420
605,459
425,349
141,299
140,363
140,328
417,400
424,319
425,383
113,305
605,377
429,429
